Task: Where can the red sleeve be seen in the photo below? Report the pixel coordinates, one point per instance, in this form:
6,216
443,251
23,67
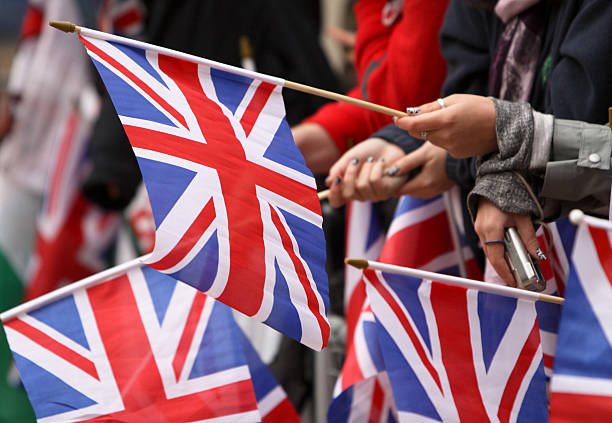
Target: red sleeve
32,22
397,66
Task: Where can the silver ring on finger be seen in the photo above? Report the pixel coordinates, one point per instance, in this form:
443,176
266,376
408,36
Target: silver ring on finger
441,103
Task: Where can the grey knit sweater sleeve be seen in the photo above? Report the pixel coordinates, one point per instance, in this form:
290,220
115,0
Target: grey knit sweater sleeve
496,179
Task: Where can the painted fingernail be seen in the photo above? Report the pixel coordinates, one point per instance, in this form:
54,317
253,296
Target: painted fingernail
382,160
370,159
540,254
413,110
337,180
392,170
355,161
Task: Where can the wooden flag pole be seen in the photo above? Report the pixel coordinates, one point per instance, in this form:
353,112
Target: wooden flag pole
323,195
70,27
340,97
455,281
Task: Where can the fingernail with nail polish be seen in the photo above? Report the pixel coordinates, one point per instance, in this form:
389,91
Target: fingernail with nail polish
370,159
412,110
337,180
382,160
392,170
355,161
540,254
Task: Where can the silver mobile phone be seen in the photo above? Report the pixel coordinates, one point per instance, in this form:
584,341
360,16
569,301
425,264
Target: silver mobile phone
527,273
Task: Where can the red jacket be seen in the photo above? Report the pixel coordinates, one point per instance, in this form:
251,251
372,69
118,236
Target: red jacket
399,65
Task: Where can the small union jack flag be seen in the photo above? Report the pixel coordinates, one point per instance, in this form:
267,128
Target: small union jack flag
234,204
454,354
138,347
581,384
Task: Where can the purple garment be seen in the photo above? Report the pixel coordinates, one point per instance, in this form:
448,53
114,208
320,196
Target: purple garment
515,60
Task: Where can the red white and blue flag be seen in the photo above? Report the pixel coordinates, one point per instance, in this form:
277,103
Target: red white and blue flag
138,347
454,354
234,204
581,387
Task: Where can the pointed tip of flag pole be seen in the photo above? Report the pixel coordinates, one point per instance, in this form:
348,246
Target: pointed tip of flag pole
65,26
358,263
576,216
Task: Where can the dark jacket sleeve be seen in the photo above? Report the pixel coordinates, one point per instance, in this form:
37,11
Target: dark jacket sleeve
467,40
399,137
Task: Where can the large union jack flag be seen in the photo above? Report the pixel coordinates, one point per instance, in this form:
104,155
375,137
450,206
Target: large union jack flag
139,347
582,380
454,354
234,204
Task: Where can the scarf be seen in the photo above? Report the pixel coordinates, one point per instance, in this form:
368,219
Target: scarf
514,65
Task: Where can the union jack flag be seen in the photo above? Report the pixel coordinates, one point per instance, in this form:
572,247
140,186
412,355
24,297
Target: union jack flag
138,347
234,204
582,380
454,354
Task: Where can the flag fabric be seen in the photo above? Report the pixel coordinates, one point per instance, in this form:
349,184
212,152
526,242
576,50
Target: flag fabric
364,239
235,208
366,401
272,401
581,387
358,395
138,347
454,354
420,237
